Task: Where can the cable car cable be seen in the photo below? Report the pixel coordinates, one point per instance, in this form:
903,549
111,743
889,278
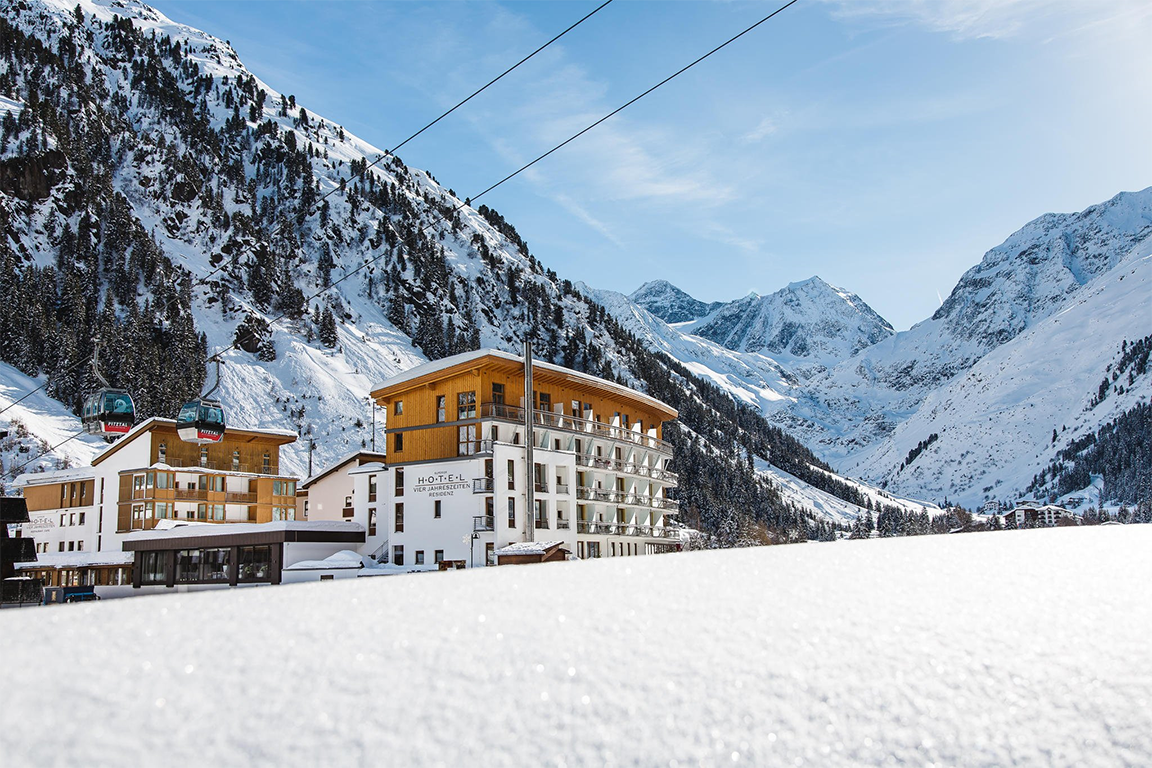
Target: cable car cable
523,168
509,177
316,205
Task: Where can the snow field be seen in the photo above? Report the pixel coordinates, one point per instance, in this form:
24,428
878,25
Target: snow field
980,649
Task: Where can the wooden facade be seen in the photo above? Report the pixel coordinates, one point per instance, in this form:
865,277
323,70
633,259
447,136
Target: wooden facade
428,417
62,495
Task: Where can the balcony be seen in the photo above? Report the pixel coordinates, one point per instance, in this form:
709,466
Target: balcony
626,467
562,489
482,485
484,523
177,462
474,447
625,529
562,525
240,498
191,494
573,424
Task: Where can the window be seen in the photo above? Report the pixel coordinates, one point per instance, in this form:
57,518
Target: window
201,511
466,405
490,553
511,475
152,568
255,563
498,394
466,438
543,401
399,518
164,480
61,546
419,557
371,487
436,509
203,455
441,409
283,487
188,565
137,485
214,564
162,452
398,554
267,462
283,513
398,442
399,482
235,461
149,482
593,549
511,513
371,521
63,520
211,483
438,556
489,508
398,408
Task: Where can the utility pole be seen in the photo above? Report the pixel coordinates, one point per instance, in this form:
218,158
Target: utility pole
311,445
529,444
373,407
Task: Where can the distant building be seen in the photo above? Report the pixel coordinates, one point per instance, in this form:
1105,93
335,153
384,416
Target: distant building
991,507
151,475
1029,514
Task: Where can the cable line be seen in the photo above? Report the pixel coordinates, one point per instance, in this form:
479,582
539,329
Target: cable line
329,193
512,175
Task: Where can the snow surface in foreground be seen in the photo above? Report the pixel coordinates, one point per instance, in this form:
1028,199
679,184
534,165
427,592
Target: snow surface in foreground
990,648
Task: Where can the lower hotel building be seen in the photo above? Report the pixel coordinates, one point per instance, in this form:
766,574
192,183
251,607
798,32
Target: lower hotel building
469,476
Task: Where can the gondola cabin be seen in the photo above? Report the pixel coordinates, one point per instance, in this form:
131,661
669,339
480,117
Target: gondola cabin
108,412
201,422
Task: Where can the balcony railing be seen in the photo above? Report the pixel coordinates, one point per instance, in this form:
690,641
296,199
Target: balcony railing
573,424
627,467
562,489
484,523
177,462
482,485
474,447
562,525
626,529
240,498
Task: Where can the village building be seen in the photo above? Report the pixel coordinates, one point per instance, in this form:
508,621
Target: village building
467,474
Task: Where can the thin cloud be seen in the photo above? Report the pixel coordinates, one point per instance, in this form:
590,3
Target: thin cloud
766,128
996,19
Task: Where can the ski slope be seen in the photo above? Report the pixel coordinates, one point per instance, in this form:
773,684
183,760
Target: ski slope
848,653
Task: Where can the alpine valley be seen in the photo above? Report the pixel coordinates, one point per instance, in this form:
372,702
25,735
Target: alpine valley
156,195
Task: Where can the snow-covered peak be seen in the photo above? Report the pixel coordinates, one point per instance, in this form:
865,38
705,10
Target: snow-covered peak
669,303
810,322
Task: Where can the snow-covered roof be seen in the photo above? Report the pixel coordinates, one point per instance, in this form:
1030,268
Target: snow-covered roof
368,468
355,455
178,528
466,358
345,558
54,476
287,435
77,559
528,547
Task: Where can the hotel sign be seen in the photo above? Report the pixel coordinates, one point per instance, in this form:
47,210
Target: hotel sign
440,484
41,523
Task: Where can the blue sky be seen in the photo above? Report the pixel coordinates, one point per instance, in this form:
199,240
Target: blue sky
884,145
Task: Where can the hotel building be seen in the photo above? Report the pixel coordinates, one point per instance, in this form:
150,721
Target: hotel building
468,473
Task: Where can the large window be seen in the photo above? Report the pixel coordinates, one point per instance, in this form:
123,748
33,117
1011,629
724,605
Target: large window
398,485
498,394
371,487
152,568
466,405
400,518
213,483
187,565
283,513
255,563
283,487
214,564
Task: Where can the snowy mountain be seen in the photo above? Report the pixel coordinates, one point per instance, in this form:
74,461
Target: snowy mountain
159,197
669,303
1028,278
808,326
1009,415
